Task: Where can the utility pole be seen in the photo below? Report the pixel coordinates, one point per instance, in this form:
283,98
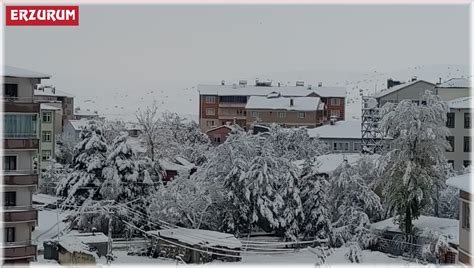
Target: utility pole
109,246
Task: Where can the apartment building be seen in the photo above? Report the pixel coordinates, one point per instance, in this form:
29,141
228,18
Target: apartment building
285,111
459,124
453,88
342,136
395,92
60,99
20,162
48,134
220,104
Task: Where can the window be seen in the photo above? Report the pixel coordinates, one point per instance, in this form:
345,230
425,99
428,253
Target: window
451,143
210,123
9,162
335,113
466,163
210,111
217,139
210,99
335,101
254,114
341,146
357,147
10,199
9,234
233,99
19,125
69,100
46,155
47,117
450,120
466,214
467,120
467,144
281,114
301,114
451,163
10,90
46,136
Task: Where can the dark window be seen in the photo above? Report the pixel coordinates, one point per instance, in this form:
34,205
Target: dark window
451,143
234,99
10,199
10,90
467,144
450,120
466,163
9,234
9,162
466,210
467,120
451,163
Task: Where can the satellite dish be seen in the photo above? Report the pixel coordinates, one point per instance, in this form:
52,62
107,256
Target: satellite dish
371,103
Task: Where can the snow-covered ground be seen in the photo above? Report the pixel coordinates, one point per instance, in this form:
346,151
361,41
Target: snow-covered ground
47,228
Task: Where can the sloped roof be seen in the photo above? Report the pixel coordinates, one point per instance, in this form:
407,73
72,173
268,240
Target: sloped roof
341,130
398,87
461,103
461,182
288,91
78,124
215,128
199,237
45,106
50,92
282,103
456,83
10,71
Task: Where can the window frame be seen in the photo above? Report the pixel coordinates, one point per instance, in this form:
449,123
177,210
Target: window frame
467,147
210,99
10,157
467,120
48,115
281,115
43,155
9,199
338,113
6,89
210,109
466,220
451,118
335,101
255,114
354,146
452,143
10,234
46,133
301,113
334,146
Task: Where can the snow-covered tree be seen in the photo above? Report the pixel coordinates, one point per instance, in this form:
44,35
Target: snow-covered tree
50,178
149,121
316,207
87,165
413,167
112,129
64,150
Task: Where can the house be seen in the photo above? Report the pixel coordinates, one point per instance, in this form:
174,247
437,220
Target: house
218,135
21,145
342,136
195,245
172,167
219,104
72,130
48,134
464,184
58,98
285,111
71,251
454,88
85,114
412,90
459,124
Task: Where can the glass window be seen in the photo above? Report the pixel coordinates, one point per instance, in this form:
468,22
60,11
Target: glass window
9,162
46,155
335,101
466,214
467,120
467,144
450,120
341,146
10,90
335,113
357,146
451,143
19,125
301,114
9,234
281,114
254,114
466,163
210,111
210,99
10,199
210,123
451,163
46,136
47,117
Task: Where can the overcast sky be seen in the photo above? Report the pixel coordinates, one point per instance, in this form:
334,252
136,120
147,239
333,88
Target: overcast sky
167,47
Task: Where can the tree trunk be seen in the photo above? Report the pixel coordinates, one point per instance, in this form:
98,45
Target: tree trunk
408,223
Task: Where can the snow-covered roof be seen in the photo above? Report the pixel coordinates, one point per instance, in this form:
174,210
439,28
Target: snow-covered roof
288,91
200,237
340,130
326,164
456,83
96,237
426,224
73,244
78,124
460,103
51,92
282,103
132,126
80,112
184,162
461,182
170,165
10,71
45,106
398,87
219,127
44,198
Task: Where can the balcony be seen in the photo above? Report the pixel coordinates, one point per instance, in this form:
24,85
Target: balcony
231,117
232,104
19,250
21,143
20,105
20,177
19,214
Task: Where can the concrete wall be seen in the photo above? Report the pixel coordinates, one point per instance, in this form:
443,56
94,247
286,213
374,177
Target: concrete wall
312,118
47,145
25,86
23,195
70,134
22,231
412,92
452,93
459,132
350,141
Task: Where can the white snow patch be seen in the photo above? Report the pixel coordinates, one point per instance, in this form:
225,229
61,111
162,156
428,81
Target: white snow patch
460,103
200,237
462,182
340,130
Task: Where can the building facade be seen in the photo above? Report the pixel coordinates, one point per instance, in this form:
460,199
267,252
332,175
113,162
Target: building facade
48,134
58,98
341,136
221,104
20,163
459,124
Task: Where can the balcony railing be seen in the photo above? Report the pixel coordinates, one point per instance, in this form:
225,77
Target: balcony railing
32,143
21,107
16,135
19,251
19,215
17,99
20,178
232,104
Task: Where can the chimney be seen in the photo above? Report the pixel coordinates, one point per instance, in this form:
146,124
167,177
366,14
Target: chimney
320,84
300,83
414,78
279,84
292,102
242,83
439,83
310,86
223,83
